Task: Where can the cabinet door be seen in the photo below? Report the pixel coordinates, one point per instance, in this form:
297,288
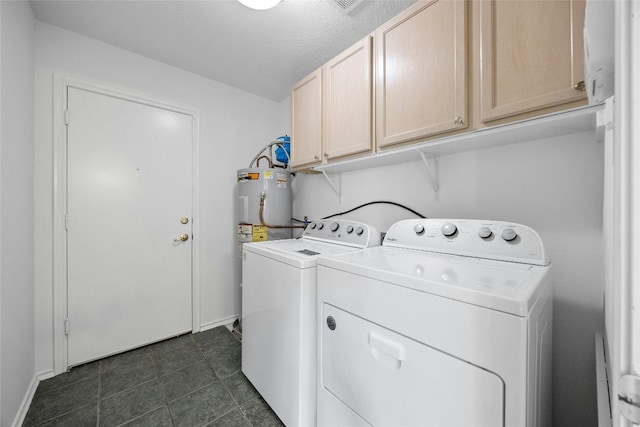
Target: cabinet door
347,102
421,80
531,55
306,121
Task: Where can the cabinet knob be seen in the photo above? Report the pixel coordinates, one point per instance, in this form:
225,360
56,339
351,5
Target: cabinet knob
316,157
458,120
581,86
326,156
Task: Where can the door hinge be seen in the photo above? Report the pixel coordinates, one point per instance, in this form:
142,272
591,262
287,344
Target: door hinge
629,397
66,326
66,221
66,117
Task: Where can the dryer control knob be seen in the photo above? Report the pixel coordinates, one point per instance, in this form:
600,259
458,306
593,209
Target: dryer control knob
419,229
509,234
359,231
320,225
349,229
485,232
449,229
335,226
313,226
331,322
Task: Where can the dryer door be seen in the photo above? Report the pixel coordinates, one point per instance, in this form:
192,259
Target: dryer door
389,379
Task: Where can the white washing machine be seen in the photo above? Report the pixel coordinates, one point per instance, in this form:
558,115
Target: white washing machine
279,317
448,323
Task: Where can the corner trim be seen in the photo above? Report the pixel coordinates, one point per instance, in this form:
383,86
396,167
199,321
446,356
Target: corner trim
28,397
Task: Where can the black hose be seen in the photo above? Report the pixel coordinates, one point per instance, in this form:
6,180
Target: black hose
377,202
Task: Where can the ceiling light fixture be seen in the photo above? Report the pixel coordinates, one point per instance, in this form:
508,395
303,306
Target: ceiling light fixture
260,4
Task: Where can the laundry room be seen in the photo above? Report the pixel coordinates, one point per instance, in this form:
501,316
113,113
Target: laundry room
539,168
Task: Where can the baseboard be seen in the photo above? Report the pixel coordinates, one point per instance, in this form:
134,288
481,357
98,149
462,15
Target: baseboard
28,397
227,322
602,384
44,375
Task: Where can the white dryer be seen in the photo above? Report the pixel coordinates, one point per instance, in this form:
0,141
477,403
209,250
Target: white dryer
279,317
448,323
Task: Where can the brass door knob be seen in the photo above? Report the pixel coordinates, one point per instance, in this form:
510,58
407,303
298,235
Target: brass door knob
581,86
182,238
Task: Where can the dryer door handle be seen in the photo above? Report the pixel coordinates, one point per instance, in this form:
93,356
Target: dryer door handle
386,351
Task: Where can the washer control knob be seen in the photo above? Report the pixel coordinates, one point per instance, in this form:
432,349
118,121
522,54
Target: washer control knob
485,232
349,229
449,229
335,226
509,234
419,229
320,225
312,226
359,231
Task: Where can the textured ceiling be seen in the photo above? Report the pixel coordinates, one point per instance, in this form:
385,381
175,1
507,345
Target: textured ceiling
262,52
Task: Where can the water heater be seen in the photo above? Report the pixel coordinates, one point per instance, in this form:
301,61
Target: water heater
264,204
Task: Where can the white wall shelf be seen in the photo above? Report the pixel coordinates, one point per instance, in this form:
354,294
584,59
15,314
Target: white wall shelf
567,122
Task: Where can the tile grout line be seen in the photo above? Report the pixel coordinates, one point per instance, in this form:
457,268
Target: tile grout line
57,416
177,369
221,382
164,394
238,407
242,411
98,403
206,360
137,417
158,376
200,349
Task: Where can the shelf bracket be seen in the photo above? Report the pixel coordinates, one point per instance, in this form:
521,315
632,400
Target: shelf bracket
333,187
432,172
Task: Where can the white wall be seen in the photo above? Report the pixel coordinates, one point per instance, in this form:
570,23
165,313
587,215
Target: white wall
554,186
233,126
16,208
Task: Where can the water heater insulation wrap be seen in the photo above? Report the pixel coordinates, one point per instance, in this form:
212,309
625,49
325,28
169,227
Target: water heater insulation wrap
276,184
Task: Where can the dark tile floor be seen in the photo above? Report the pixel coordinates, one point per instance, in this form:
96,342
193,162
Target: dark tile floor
192,380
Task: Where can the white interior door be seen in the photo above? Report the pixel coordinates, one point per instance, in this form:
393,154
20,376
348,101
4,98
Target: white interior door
129,198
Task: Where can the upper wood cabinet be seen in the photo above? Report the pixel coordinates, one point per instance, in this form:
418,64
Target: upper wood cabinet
306,121
531,55
331,109
421,66
438,68
347,102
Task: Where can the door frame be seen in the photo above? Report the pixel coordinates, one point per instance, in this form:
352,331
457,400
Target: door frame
60,85
625,337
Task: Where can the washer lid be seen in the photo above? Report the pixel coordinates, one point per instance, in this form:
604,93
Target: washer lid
301,253
504,286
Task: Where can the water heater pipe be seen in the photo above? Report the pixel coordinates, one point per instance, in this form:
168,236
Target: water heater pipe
264,157
263,195
269,145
